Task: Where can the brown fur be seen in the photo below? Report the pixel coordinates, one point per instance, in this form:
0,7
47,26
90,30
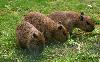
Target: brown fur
73,20
52,31
29,37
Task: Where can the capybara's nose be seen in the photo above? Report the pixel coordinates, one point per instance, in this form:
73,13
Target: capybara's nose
90,30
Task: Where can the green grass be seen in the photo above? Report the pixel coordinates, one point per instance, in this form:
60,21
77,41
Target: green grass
82,48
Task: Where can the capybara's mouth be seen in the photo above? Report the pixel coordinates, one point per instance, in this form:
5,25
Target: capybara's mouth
90,29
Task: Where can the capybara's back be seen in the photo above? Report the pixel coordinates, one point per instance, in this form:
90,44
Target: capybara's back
52,31
29,37
73,20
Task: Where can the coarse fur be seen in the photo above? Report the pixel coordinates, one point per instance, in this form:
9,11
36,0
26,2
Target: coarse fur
73,20
52,31
30,38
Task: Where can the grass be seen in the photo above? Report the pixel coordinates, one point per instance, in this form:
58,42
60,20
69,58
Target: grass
84,47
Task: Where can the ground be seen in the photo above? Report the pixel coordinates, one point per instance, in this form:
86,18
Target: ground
83,47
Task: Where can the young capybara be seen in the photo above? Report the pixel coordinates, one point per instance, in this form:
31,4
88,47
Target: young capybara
30,38
53,32
73,20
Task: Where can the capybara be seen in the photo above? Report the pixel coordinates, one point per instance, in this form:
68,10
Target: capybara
53,32
72,20
30,38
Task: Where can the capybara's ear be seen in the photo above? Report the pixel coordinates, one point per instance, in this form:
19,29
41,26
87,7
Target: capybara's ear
81,16
35,35
60,22
60,27
82,13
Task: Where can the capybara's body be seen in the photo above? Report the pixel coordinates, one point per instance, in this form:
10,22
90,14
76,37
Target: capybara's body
29,37
73,20
52,31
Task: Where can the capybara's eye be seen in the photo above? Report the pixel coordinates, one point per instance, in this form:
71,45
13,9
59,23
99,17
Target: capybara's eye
88,23
35,36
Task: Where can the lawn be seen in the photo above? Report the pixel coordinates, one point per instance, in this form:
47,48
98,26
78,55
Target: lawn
84,47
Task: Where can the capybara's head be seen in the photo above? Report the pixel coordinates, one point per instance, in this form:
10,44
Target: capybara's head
86,23
37,44
60,33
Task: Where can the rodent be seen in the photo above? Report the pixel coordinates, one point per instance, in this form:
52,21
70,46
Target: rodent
71,20
29,37
53,32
